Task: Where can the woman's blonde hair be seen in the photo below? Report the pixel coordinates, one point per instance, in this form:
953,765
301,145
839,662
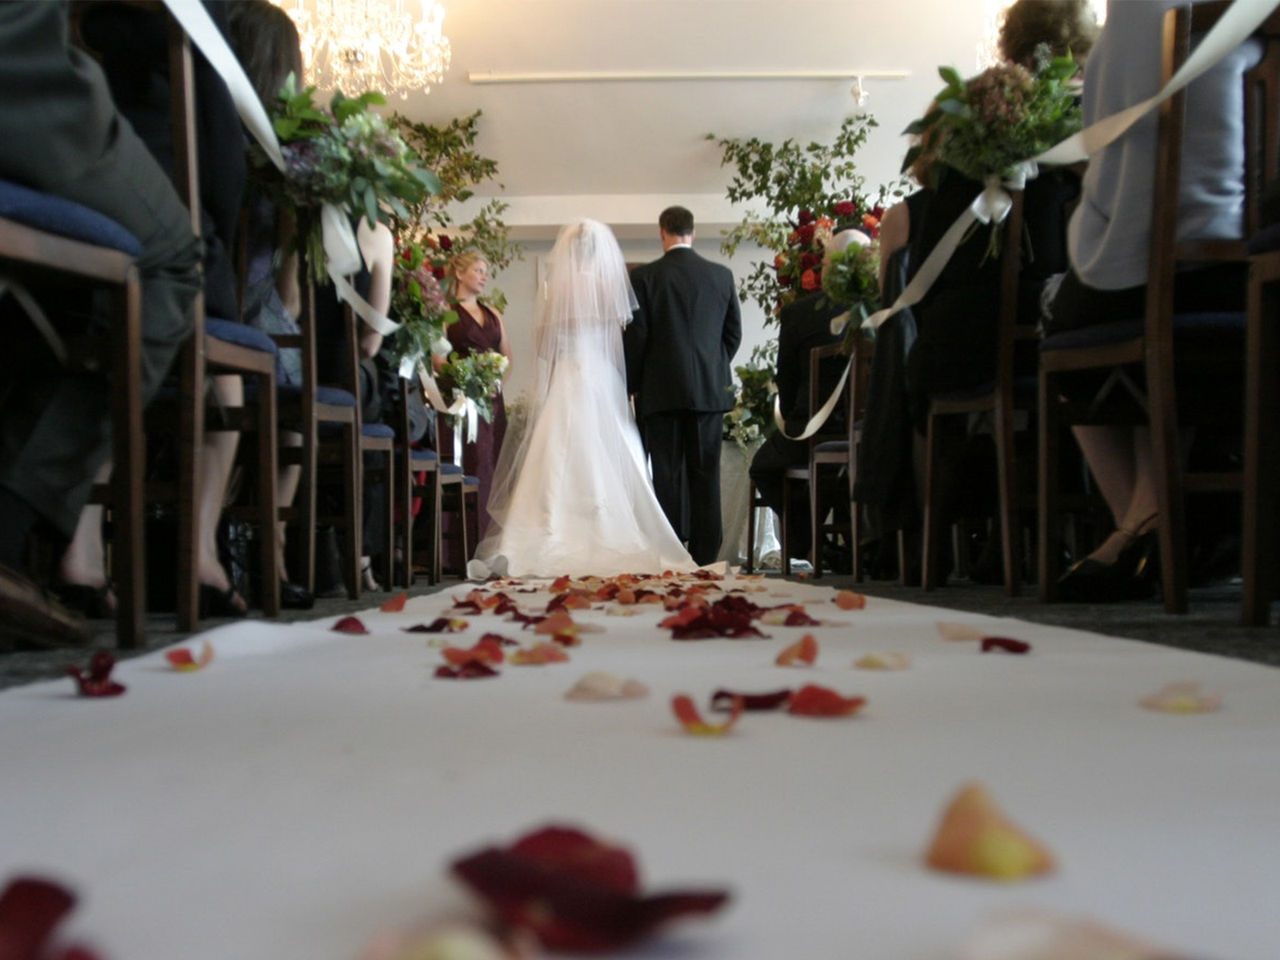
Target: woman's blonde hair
459,263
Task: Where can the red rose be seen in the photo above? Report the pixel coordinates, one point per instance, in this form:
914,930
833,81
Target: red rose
878,212
805,234
844,208
809,280
438,272
445,243
806,216
809,260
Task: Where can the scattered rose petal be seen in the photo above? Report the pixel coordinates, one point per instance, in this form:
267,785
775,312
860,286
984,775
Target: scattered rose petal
439,625
30,910
975,837
788,615
883,661
730,616
804,650
619,609
570,898
814,701
598,685
848,600
454,940
539,654
485,651
1182,698
1032,934
471,670
500,639
1006,644
182,660
96,680
959,631
725,699
687,713
350,625
467,607
394,604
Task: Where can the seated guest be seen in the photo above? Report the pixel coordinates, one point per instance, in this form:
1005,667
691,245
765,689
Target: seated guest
803,324
60,132
1109,237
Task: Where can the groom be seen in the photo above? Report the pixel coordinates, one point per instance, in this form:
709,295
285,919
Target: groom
678,347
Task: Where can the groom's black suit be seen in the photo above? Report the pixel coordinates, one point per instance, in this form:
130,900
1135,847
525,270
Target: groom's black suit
678,347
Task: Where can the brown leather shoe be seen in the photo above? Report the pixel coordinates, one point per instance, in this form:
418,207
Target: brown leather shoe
31,620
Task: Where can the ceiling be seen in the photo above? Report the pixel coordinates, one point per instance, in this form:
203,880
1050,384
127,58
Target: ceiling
619,149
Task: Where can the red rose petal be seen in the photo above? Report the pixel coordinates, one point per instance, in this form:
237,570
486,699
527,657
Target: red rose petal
723,700
471,670
350,625
804,650
30,909
96,681
438,625
581,855
395,604
815,701
1004,643
572,911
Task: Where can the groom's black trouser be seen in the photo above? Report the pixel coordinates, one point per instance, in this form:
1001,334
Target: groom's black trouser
684,448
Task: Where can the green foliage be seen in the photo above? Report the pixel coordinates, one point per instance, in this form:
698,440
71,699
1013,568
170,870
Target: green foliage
800,185
449,150
477,376
751,419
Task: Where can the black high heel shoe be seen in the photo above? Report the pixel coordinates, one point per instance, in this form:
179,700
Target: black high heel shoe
221,603
96,603
1128,577
294,596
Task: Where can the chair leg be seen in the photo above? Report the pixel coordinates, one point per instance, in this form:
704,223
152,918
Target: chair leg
1047,505
268,508
1167,461
351,511
128,559
1259,556
815,546
855,534
190,444
437,540
932,515
305,499
389,518
1008,490
782,528
750,565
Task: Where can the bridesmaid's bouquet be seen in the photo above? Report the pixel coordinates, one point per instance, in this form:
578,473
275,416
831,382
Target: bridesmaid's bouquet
343,154
476,376
751,419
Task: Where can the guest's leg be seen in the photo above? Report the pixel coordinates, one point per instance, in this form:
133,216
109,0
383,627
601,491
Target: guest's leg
217,459
704,434
767,468
1120,460
286,488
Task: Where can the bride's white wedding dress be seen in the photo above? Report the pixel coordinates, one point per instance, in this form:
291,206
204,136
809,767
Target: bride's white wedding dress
572,493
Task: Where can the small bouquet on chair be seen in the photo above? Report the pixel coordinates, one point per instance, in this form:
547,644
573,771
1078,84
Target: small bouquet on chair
476,379
852,280
419,304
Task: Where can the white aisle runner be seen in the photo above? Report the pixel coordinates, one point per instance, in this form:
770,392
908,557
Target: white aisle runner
308,788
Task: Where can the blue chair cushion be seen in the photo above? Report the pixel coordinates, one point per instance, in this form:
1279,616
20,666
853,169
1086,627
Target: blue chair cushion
424,457
1265,240
450,470
470,481
240,334
376,430
1192,327
54,214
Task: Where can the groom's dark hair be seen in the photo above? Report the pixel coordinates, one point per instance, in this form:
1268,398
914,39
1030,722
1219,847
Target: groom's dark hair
676,221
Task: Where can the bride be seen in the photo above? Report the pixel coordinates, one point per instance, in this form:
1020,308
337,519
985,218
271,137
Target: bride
571,495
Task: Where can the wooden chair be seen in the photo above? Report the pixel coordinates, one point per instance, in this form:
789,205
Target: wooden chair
1138,357
994,399
412,463
52,239
1260,540
827,448
230,350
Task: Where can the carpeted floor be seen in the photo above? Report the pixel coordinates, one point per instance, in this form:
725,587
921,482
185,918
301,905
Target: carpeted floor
1211,626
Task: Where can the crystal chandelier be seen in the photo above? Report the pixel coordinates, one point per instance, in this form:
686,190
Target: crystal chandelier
396,47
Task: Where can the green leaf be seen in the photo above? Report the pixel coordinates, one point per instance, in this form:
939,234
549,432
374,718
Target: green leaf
371,206
951,77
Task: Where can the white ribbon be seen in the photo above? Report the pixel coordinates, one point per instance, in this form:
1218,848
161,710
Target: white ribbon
342,258
39,319
818,419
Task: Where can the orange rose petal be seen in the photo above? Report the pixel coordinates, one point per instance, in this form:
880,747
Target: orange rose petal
1181,698
182,660
848,600
395,604
687,713
556,622
539,655
975,837
815,701
804,650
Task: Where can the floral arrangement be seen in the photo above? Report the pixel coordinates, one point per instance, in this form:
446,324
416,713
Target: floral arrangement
418,303
751,419
799,267
343,154
852,278
809,191
990,122
477,376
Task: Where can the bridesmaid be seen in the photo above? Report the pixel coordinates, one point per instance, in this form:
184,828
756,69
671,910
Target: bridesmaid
478,328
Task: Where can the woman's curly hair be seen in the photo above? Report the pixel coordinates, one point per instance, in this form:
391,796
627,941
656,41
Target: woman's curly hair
1069,27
